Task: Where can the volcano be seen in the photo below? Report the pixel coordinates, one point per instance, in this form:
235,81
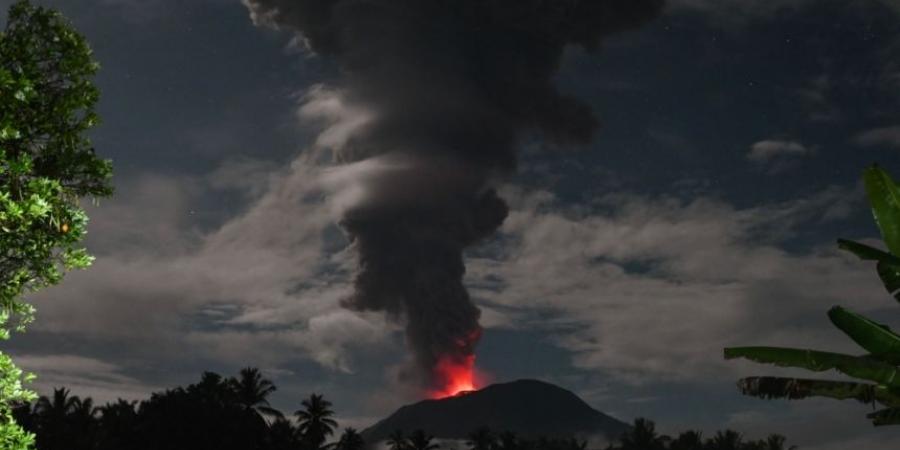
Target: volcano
529,408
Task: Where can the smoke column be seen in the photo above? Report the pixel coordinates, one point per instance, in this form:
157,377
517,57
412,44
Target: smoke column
449,87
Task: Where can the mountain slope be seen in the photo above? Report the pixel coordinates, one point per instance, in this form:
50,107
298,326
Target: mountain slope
529,408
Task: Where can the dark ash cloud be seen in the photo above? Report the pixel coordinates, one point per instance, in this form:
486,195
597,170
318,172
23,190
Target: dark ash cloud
445,89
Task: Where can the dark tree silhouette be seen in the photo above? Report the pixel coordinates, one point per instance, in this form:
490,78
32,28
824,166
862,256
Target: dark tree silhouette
507,441
481,439
726,440
282,435
315,422
252,392
117,424
688,440
220,413
397,441
419,440
350,440
642,436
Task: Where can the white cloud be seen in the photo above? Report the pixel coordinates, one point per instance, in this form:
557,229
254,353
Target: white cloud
886,136
653,288
85,377
277,265
767,150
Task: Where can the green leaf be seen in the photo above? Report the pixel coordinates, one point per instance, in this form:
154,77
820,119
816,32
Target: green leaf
855,366
884,198
866,252
874,337
888,265
800,388
890,278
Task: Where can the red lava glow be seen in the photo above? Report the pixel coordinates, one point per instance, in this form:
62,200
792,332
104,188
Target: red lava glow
457,375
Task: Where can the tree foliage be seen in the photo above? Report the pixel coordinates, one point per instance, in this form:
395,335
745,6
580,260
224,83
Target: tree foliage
878,368
47,164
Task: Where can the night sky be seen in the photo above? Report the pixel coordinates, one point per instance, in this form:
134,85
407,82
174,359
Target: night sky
703,214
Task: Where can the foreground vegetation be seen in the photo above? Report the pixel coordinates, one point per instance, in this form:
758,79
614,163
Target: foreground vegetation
878,369
219,413
47,165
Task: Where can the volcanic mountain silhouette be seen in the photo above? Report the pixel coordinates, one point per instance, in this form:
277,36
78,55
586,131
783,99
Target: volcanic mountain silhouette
529,408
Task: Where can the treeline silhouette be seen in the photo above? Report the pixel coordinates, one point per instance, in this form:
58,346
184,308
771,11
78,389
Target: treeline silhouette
234,414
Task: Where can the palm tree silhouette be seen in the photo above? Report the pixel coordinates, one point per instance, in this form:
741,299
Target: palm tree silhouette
418,440
252,391
481,439
350,440
117,424
314,422
642,436
53,417
282,435
776,442
725,440
688,440
397,441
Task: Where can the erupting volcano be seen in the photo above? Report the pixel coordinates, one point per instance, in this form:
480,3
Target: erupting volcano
456,376
433,101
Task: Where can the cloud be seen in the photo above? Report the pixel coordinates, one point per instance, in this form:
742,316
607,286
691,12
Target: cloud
270,276
887,136
85,377
633,275
767,150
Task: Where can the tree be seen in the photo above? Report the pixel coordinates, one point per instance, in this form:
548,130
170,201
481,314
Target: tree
47,164
350,440
481,439
252,391
314,421
642,436
397,441
879,368
419,440
688,440
726,440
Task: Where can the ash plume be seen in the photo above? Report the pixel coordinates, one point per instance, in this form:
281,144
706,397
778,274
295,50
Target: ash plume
448,87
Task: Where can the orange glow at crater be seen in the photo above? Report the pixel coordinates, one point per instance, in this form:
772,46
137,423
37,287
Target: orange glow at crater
455,375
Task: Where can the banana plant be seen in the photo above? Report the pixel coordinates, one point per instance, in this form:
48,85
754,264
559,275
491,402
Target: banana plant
878,370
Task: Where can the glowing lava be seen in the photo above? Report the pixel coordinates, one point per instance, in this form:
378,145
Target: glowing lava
455,375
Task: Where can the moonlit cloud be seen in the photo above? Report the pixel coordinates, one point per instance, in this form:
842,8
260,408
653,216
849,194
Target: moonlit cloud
885,136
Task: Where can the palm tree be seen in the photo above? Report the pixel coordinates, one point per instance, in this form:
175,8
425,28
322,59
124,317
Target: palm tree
314,421
642,436
252,390
117,425
726,440
688,440
776,442
481,439
351,440
397,441
419,440
281,436
52,418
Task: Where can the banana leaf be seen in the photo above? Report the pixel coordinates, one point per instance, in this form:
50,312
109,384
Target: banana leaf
877,339
890,277
888,264
889,416
866,252
884,197
858,367
799,388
